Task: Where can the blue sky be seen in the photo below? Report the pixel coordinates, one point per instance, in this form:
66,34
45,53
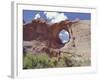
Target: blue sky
29,15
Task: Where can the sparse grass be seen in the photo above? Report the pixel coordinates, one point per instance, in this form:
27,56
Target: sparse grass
33,61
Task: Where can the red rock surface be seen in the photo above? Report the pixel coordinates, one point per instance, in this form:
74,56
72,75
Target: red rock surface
40,30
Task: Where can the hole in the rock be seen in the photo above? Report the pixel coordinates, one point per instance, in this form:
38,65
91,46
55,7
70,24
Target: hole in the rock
64,36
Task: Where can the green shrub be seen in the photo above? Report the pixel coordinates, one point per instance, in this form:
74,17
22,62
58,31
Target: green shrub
27,61
37,61
32,61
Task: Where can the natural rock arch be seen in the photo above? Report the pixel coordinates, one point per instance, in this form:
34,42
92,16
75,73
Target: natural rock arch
40,30
54,30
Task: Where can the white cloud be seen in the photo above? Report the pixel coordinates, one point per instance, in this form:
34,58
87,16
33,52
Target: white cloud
55,17
65,32
60,34
37,16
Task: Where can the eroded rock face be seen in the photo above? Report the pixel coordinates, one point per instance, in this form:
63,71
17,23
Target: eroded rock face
47,35
28,32
37,29
40,30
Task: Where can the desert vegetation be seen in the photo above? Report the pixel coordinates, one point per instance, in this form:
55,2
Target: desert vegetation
37,61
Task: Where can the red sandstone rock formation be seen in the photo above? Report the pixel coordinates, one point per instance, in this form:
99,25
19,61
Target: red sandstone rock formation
40,30
37,29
